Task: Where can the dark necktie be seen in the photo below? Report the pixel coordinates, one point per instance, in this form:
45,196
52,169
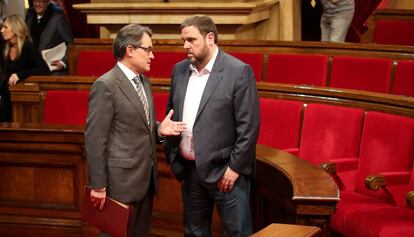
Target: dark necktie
140,90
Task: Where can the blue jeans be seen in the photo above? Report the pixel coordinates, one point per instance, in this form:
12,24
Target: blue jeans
198,203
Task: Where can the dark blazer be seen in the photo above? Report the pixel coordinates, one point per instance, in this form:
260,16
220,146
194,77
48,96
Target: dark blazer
30,63
120,146
227,123
54,29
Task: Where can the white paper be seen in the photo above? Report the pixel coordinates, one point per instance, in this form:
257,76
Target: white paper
54,54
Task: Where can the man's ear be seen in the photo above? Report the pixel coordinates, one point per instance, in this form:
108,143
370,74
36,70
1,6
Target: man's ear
129,51
210,38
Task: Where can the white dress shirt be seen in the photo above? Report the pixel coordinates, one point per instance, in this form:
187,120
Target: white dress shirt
195,89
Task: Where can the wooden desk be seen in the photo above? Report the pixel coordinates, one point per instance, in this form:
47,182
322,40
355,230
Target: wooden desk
283,230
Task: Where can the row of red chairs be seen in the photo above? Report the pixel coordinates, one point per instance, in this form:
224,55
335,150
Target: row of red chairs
360,143
369,74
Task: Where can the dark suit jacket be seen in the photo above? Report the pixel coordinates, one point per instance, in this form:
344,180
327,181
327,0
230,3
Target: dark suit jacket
227,123
120,146
56,30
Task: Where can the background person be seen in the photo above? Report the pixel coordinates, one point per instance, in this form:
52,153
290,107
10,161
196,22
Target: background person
21,60
336,18
49,27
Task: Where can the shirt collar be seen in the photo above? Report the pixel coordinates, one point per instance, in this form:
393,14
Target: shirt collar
209,65
128,72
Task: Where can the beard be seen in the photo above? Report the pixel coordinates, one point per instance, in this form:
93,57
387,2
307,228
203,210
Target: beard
199,58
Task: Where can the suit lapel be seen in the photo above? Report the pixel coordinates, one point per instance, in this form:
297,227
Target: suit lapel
213,80
130,93
181,88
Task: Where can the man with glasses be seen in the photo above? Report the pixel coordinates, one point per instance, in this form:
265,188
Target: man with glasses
49,27
121,131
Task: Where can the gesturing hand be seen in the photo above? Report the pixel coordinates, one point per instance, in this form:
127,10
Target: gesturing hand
171,128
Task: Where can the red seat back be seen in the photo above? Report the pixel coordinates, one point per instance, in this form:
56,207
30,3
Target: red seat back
330,132
94,63
400,32
297,69
404,78
279,123
163,63
255,60
160,104
370,74
66,107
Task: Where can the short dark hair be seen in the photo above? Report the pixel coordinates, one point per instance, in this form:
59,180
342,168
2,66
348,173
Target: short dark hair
203,23
129,35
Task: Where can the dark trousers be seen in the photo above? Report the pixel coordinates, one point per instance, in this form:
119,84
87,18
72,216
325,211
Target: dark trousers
198,203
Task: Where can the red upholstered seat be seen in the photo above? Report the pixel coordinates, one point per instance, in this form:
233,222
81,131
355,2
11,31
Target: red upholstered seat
297,69
66,107
386,148
398,31
164,62
94,63
160,103
404,78
255,60
280,124
370,74
331,132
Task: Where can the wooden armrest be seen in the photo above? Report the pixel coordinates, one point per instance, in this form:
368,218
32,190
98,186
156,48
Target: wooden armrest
375,182
337,165
328,167
410,199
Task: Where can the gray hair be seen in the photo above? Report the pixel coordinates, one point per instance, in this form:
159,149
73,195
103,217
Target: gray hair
129,35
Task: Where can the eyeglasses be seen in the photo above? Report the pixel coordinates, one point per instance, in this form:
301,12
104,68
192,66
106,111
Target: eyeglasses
148,50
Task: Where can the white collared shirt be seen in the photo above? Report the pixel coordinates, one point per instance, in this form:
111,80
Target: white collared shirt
195,89
130,75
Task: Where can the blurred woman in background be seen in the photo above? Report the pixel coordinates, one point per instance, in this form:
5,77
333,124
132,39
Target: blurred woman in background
21,60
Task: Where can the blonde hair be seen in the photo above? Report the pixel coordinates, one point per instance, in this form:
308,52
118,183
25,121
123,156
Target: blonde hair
20,29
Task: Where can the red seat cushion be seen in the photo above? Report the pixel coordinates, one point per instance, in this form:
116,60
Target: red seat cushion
404,78
297,69
370,74
94,63
255,60
400,32
66,107
351,202
280,123
163,63
371,222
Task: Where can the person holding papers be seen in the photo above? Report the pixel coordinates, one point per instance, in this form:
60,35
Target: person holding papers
21,60
49,28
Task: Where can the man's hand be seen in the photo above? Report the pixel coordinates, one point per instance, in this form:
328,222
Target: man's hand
98,197
226,183
57,66
171,128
